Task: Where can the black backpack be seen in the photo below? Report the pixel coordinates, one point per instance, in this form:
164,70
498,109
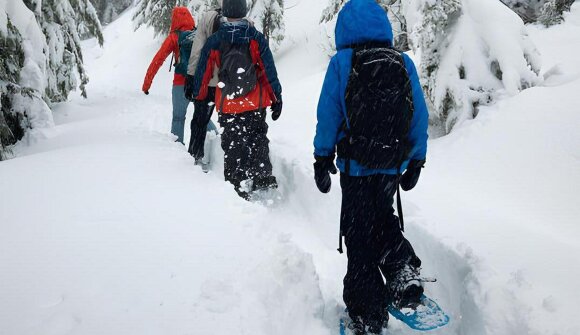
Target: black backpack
237,73
379,108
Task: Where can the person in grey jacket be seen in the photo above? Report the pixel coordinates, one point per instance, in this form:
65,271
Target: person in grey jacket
209,24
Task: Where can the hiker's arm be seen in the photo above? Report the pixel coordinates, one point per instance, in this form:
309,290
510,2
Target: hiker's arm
418,132
269,66
204,70
167,48
330,116
199,41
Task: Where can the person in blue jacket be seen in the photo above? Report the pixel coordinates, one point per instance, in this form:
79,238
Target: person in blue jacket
376,246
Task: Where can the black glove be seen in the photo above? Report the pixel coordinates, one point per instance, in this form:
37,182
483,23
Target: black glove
146,92
411,176
276,109
189,88
323,167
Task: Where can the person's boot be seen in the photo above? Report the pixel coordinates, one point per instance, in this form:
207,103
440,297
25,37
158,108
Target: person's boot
406,287
264,183
376,328
204,166
356,326
244,188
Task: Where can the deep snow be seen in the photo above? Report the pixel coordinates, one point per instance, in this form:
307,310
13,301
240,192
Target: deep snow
106,227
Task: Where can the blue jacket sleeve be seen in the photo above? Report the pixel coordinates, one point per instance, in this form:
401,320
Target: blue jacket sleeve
268,60
330,115
418,132
198,78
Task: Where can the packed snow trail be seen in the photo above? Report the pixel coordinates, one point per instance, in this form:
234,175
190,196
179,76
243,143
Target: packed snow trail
110,228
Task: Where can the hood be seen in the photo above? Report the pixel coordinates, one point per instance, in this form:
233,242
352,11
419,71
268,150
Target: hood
181,19
362,21
239,31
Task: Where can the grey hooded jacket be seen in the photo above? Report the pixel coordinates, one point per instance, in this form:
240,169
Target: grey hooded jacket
204,31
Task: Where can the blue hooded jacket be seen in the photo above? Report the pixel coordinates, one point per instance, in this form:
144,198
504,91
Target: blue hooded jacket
362,21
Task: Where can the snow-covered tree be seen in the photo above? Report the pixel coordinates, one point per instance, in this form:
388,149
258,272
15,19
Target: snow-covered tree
547,12
23,50
468,60
331,11
198,7
268,15
109,10
63,22
40,60
87,18
156,14
527,9
552,12
396,12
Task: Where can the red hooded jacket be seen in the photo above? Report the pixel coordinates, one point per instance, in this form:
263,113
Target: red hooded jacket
181,19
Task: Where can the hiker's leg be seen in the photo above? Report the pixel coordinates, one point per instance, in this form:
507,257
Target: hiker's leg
180,104
259,165
364,289
396,250
207,147
234,148
201,123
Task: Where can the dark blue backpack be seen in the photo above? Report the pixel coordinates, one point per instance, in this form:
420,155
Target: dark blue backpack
185,42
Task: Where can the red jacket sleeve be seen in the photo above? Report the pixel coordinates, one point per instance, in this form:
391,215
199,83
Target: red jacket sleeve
168,46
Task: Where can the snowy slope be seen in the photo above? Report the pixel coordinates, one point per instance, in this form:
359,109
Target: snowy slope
116,232
506,186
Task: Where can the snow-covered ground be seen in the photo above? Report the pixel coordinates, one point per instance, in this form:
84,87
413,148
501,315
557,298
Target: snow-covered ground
107,227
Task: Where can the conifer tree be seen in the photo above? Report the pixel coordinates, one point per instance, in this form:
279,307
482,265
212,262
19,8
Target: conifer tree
109,10
330,12
547,12
11,61
396,12
463,64
198,7
23,59
552,11
40,58
63,22
156,14
268,15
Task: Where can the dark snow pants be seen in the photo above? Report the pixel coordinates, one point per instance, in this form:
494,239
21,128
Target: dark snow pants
375,244
199,123
245,145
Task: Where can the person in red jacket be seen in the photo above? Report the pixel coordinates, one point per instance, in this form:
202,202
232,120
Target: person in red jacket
181,20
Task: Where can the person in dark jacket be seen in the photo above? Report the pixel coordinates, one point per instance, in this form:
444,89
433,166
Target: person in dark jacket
376,246
244,140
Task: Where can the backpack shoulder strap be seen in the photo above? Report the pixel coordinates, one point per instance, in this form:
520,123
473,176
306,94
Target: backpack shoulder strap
410,93
217,21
